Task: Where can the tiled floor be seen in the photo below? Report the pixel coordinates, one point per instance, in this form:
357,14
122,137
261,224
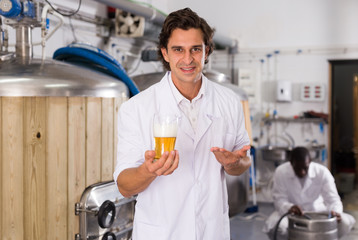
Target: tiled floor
249,226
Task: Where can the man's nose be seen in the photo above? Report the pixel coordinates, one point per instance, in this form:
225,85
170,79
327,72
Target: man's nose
188,58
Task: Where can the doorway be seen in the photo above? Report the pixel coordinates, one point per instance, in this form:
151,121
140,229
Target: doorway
344,121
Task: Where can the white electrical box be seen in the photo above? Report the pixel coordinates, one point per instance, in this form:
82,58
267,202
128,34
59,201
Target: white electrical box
311,92
284,91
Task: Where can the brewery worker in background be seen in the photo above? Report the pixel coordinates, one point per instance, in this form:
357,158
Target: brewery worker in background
303,186
182,195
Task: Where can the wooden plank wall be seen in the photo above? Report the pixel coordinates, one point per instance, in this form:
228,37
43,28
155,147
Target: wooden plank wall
12,169
52,148
107,139
34,167
56,168
94,140
76,158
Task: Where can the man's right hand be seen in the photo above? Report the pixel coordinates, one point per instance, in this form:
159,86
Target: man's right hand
165,165
132,181
296,210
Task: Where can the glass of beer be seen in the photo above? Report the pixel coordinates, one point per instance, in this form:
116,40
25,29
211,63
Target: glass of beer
165,127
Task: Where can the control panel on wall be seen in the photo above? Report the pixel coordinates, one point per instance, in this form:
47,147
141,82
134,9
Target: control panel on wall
311,92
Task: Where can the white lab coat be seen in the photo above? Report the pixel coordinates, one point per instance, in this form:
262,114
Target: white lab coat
318,194
191,203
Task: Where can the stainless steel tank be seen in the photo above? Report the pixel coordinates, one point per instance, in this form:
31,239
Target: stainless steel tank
34,77
237,185
58,125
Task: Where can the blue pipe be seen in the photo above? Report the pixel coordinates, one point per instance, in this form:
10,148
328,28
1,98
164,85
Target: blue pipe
83,53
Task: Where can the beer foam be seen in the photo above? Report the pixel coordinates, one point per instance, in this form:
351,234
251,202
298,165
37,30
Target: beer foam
165,130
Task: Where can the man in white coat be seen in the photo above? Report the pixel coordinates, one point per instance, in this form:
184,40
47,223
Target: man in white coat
182,195
303,186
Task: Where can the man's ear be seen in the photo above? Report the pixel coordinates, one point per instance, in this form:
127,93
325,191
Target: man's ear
206,52
165,54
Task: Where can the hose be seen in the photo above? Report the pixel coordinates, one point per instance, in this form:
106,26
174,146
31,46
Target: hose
89,56
278,223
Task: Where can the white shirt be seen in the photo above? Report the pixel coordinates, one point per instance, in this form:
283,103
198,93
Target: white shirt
191,203
319,192
189,108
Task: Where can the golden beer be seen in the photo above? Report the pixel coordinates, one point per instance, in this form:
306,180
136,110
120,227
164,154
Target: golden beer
163,144
165,129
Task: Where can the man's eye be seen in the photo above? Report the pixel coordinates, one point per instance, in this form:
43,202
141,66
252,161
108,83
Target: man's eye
196,49
177,50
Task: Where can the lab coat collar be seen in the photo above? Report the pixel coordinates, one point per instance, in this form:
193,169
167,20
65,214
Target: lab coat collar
310,175
165,98
179,97
311,172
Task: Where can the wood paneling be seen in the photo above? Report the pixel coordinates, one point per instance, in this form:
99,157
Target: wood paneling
117,103
76,159
93,140
52,148
107,139
12,168
34,168
56,166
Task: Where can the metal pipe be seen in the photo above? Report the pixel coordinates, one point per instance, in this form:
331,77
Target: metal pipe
23,41
148,13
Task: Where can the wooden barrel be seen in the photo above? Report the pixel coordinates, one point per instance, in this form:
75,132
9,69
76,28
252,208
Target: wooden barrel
58,127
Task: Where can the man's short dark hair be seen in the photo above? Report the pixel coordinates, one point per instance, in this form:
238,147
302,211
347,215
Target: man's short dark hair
184,19
299,154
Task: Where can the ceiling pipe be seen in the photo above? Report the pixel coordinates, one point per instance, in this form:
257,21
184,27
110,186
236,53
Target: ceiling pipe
148,13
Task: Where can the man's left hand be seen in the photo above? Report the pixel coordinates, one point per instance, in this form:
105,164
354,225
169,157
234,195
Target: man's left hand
337,215
234,163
